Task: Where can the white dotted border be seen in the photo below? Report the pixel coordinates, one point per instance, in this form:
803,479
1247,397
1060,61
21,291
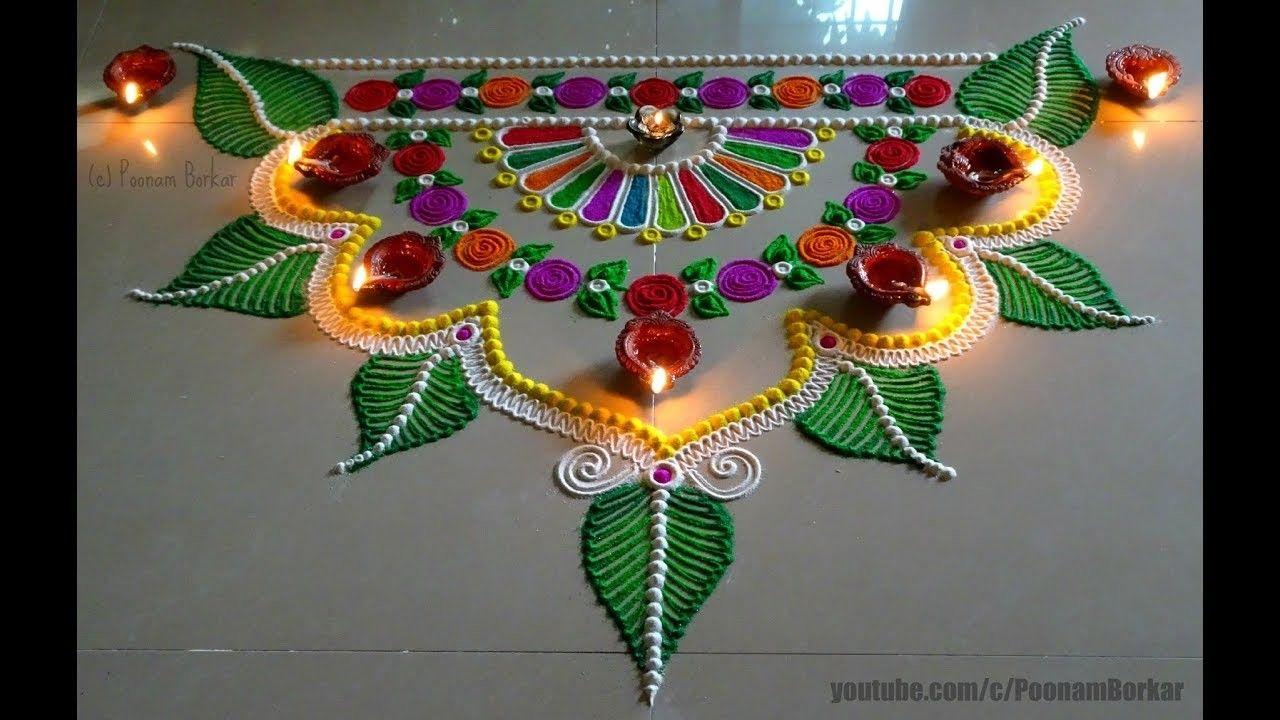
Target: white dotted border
630,61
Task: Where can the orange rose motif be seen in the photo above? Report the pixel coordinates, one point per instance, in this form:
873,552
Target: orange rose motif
504,92
484,249
797,91
825,245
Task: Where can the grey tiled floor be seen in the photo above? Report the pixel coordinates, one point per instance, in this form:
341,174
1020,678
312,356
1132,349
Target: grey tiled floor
222,574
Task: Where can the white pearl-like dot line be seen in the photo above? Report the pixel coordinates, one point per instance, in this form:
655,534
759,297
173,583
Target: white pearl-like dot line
242,276
617,122
255,99
897,438
1042,74
624,61
1056,293
657,578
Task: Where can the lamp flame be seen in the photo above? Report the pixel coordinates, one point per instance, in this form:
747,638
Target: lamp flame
658,380
295,151
132,92
1035,167
358,277
1156,85
937,288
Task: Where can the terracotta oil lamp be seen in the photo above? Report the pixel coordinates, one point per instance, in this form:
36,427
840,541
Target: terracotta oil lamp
657,349
888,274
981,166
1143,71
342,159
398,264
135,75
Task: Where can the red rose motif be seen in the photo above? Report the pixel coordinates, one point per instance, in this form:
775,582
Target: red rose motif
656,92
370,95
417,159
893,154
150,67
927,90
657,292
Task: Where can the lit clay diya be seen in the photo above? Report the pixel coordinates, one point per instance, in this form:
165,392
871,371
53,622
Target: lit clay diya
1143,71
342,159
135,75
398,264
658,348
981,166
888,274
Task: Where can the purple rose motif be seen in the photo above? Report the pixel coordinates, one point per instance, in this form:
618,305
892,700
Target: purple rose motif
436,93
580,92
438,205
746,280
553,279
723,93
873,204
864,90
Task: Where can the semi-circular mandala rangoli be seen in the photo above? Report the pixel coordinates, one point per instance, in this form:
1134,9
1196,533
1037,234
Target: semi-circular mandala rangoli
657,537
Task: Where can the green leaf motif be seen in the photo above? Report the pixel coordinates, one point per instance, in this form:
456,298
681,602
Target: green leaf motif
618,103
448,236
602,304
444,178
693,80
533,253
765,78
802,277
613,272
506,281
909,179
709,305
832,78
1004,88
477,218
836,214
409,79
689,104
704,269
1023,302
900,104
385,383
398,139
402,108
838,101
869,133
875,234
764,102
623,81
549,80
278,291
844,421
918,133
865,172
407,189
470,104
615,555
542,103
780,250
292,98
900,78
440,136
475,79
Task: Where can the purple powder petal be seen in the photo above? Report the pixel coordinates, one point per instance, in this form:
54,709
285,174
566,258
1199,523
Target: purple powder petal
777,136
746,280
580,92
873,204
597,209
723,93
436,93
438,205
864,90
553,279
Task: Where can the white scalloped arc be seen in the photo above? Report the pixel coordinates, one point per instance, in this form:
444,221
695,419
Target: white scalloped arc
984,310
1042,74
255,99
940,59
619,122
1069,191
1058,295
262,193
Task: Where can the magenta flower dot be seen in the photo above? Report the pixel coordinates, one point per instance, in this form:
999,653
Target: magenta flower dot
580,92
864,90
959,244
438,205
828,341
436,93
553,279
746,280
337,233
662,475
723,93
463,334
873,204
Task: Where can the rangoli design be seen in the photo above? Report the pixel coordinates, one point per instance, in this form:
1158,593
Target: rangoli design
657,537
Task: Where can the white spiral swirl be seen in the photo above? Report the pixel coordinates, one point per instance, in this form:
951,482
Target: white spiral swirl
583,471
734,464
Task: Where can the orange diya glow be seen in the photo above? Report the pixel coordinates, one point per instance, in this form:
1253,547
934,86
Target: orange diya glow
658,348
1143,71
